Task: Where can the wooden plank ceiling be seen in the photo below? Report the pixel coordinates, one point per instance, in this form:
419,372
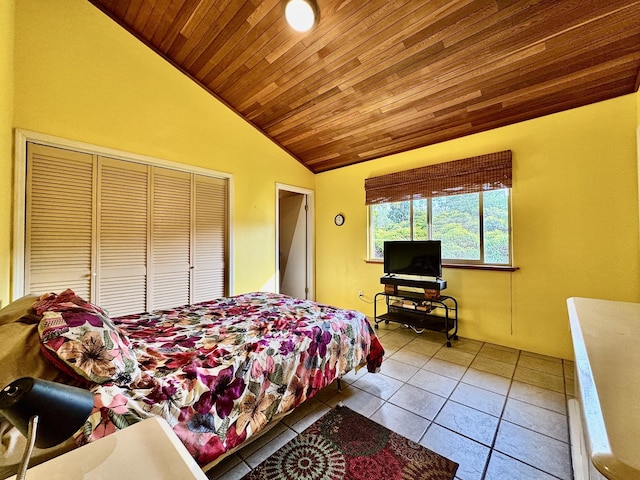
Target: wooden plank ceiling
379,77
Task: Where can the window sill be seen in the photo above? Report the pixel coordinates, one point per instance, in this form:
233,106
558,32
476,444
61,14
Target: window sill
498,268
463,266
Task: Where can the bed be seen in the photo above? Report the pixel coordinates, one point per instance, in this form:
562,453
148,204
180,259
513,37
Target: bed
220,372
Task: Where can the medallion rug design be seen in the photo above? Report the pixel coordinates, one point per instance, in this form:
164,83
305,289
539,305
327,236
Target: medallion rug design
344,445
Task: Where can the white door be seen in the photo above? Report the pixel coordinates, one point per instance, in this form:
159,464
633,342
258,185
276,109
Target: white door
294,244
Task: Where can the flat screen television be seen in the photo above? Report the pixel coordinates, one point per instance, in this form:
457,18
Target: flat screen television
417,257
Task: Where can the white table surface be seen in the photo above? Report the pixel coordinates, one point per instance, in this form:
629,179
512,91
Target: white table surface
606,342
145,450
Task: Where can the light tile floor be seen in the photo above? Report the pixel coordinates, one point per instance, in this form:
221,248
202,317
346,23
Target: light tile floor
500,413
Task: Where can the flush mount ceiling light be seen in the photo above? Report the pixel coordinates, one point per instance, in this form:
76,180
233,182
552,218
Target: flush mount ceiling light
301,14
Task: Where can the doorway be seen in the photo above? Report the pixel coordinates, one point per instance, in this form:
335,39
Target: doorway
294,255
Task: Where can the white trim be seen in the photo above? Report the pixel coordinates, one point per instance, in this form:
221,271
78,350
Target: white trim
230,249
579,454
19,212
311,273
19,202
53,141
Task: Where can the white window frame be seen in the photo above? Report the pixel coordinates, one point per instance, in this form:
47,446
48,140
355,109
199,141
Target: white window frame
446,261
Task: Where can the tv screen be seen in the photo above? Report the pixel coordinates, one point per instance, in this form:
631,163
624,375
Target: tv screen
418,257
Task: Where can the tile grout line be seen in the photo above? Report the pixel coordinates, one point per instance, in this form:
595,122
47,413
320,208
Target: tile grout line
501,420
504,406
500,417
449,396
458,382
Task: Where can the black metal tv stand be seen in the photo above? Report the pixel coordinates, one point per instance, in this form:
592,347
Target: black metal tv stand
426,309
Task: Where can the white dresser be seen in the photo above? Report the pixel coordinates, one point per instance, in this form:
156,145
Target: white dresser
605,416
145,450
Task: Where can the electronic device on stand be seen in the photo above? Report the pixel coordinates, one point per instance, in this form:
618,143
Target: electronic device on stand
413,286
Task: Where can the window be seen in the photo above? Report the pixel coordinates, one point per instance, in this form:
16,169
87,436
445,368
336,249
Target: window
465,204
473,227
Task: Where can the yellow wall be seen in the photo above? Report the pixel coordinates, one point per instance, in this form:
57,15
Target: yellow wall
575,202
575,226
6,141
78,75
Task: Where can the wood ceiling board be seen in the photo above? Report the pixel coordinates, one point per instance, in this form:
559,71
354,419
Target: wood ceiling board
385,76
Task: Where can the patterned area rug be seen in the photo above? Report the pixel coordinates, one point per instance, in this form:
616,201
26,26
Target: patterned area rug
344,445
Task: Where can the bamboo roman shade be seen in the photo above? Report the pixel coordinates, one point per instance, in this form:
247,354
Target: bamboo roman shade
474,174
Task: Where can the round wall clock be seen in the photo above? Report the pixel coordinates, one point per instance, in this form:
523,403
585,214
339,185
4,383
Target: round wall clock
339,220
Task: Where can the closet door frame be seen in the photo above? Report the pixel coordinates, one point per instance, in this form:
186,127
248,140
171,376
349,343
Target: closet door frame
22,137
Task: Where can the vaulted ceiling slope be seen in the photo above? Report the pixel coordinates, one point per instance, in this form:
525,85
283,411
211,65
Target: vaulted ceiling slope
379,77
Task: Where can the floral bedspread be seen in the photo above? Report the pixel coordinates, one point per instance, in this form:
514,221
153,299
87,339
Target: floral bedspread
219,371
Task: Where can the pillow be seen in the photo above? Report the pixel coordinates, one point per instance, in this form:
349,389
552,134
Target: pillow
20,310
81,340
20,356
64,301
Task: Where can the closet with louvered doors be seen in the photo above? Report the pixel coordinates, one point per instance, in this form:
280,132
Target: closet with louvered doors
121,278
128,236
59,221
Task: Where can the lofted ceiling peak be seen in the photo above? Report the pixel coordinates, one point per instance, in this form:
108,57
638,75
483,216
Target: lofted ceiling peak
378,77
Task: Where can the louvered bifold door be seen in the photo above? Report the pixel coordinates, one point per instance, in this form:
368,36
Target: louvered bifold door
170,238
209,239
58,235
122,236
